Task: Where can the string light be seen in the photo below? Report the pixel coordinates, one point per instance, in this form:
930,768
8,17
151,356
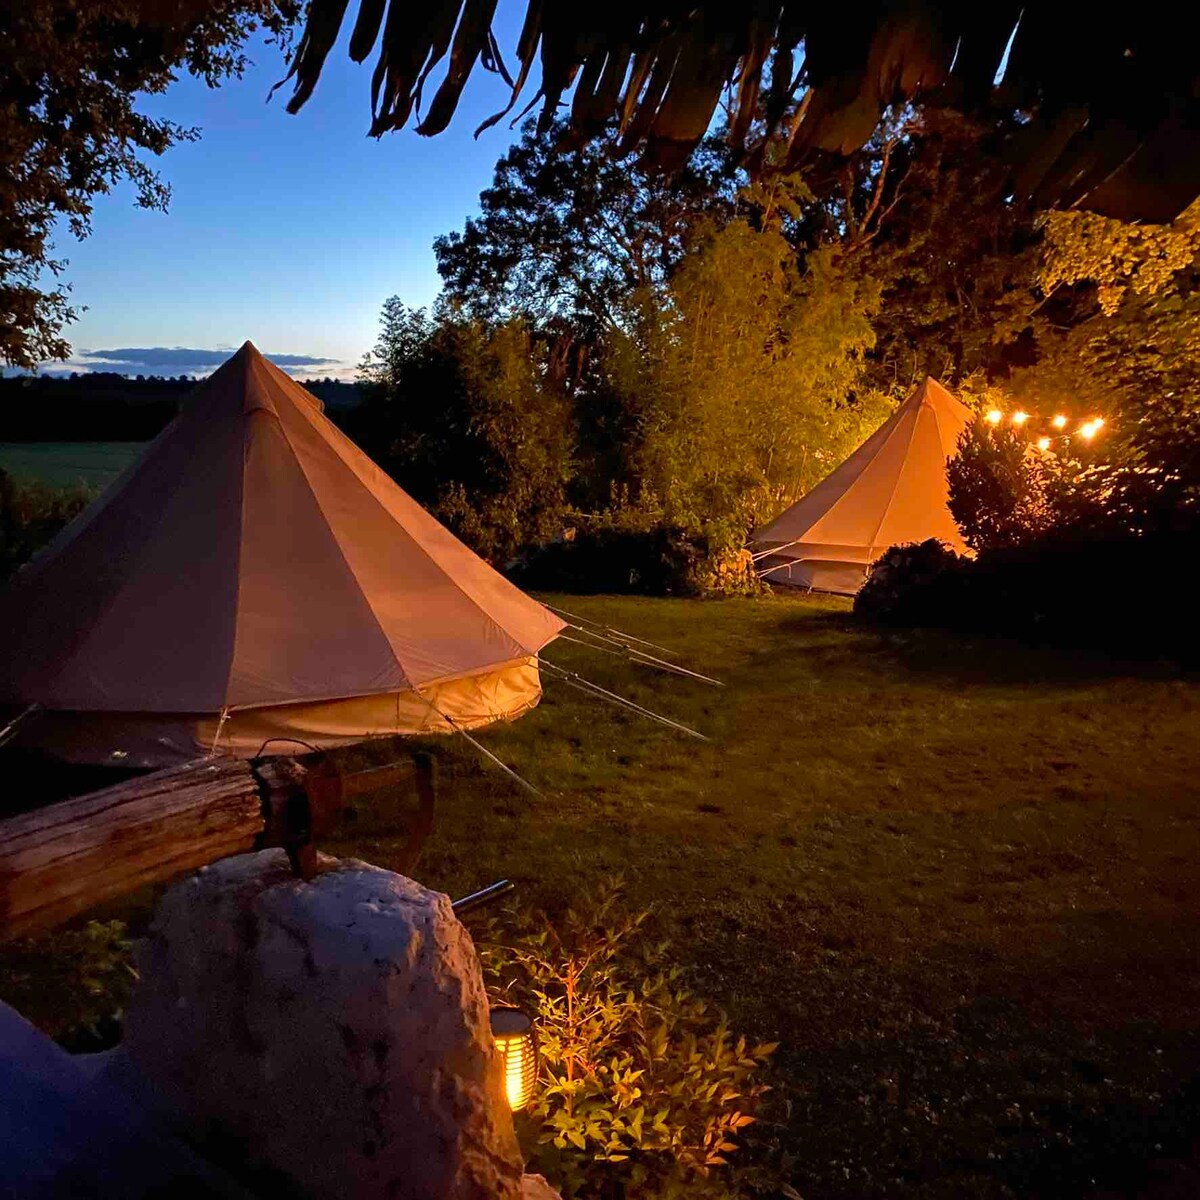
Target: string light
1086,430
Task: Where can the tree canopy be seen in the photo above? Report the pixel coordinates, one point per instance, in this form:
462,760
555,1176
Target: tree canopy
70,128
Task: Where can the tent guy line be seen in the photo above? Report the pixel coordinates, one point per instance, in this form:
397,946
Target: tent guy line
632,655
577,681
608,629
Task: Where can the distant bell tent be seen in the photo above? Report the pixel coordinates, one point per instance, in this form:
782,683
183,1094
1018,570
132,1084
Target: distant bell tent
254,576
1102,114
891,490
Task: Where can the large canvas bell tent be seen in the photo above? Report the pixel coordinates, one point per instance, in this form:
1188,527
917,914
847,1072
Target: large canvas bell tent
891,490
255,576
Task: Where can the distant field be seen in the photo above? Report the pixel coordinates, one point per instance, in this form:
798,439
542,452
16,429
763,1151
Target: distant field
64,464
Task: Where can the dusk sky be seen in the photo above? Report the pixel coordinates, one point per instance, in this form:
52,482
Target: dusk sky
288,230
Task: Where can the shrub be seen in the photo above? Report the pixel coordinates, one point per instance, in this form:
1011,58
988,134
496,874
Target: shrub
998,487
899,584
643,1090
1126,595
73,983
631,552
30,515
618,554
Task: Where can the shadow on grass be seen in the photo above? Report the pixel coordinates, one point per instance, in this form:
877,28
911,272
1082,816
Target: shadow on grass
959,658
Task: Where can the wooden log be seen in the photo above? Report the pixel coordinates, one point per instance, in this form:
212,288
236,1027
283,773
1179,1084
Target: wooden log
61,860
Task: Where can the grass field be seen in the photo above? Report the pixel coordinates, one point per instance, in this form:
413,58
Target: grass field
67,464
958,881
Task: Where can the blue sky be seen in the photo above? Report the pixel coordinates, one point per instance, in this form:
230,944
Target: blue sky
288,230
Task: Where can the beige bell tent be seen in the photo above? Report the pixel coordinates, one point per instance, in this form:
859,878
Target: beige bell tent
254,575
891,490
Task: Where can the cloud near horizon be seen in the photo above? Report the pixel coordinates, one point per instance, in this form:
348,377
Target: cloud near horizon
179,360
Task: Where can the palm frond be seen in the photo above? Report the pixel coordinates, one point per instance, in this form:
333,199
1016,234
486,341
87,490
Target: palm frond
1111,107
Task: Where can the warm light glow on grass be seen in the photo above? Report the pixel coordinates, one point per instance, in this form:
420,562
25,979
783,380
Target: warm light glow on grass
1019,418
994,416
513,1033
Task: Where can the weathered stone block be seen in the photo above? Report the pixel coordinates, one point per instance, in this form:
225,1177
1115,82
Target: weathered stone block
335,1030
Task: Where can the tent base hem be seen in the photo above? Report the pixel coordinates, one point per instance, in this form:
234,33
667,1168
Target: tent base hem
154,740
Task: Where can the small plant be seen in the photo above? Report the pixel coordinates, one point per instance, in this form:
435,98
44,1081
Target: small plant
644,1089
72,983
30,515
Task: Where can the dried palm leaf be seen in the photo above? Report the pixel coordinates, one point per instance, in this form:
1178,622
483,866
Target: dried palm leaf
660,69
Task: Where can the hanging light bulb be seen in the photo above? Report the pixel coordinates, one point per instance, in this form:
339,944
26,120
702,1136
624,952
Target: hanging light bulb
1043,443
513,1034
1019,418
1087,430
1059,422
994,416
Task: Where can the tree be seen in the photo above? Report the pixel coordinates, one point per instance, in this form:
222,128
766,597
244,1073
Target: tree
998,488
465,416
1117,327
70,77
740,378
572,236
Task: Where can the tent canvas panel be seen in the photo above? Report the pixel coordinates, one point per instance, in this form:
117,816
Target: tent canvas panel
892,489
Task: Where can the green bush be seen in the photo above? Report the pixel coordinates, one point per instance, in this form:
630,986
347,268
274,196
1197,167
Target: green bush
1125,595
631,552
30,515
898,584
72,983
643,1089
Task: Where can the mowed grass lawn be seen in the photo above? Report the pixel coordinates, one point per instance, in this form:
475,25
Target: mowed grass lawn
956,880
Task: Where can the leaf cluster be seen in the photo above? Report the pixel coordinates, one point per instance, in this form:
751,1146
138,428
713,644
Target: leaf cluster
644,1089
71,75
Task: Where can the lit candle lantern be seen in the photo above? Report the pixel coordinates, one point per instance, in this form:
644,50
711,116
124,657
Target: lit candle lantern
513,1033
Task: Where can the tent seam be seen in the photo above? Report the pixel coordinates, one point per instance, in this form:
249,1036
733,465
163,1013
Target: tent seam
440,569
312,491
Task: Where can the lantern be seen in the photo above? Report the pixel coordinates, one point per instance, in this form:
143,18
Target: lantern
1019,418
994,416
1059,422
513,1033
